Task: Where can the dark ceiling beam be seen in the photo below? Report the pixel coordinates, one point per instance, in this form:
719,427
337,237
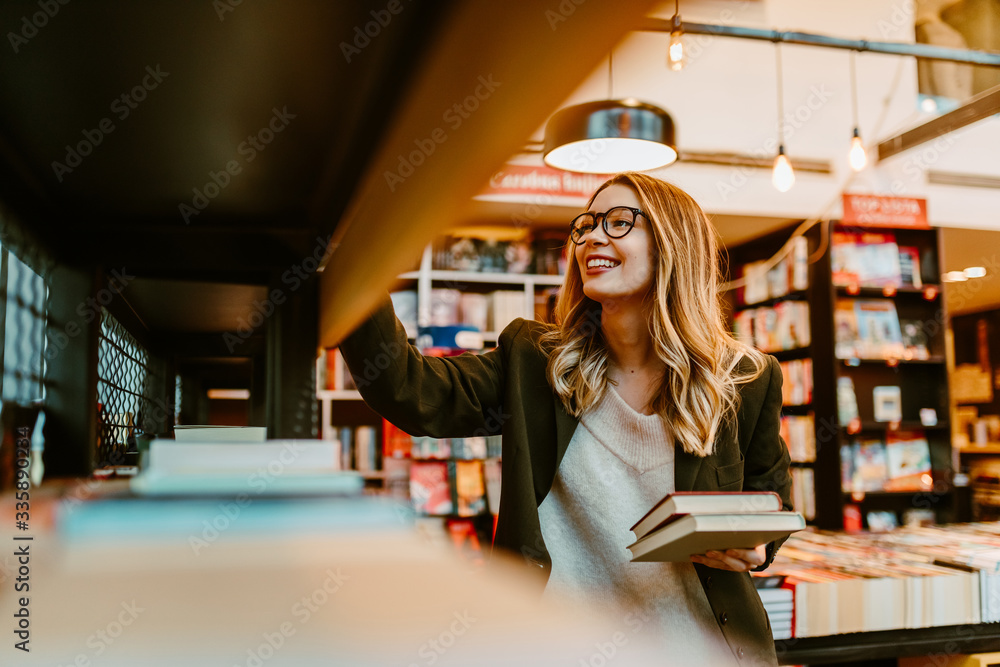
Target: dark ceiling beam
983,105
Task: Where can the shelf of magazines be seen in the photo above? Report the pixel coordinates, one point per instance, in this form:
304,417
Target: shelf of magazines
917,590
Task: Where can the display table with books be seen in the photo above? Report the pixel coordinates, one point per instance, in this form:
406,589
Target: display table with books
912,591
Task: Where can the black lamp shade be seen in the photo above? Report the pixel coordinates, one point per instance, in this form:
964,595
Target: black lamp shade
609,136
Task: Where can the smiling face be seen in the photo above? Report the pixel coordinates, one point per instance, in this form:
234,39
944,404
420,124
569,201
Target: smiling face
618,269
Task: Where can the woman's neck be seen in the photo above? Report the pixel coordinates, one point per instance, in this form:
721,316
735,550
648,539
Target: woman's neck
625,326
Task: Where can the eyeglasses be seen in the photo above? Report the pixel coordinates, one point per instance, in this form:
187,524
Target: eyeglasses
617,222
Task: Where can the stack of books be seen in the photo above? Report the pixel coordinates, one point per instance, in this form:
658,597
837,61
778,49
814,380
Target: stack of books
687,523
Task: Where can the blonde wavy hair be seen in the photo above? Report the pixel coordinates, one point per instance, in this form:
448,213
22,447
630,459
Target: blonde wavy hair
700,388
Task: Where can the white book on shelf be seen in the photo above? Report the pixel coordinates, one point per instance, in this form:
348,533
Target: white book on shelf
800,263
214,433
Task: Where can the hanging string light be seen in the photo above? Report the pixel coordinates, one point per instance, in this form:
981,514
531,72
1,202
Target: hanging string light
857,156
783,176
675,52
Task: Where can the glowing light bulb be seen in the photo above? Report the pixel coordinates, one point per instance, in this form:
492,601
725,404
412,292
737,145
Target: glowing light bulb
857,155
675,52
783,177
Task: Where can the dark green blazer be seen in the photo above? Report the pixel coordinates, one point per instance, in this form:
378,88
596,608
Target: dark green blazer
506,391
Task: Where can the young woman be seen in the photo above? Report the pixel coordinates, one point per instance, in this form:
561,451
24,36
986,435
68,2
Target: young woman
637,391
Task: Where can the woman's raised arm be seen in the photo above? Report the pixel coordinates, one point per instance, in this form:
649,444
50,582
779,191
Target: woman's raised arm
433,396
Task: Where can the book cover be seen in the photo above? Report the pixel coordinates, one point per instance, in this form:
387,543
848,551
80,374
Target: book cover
908,458
847,401
844,258
915,345
845,321
470,489
847,468
879,335
430,491
718,502
878,260
888,403
909,266
691,534
870,466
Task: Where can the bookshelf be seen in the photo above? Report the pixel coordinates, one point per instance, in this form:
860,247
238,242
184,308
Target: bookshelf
897,370
976,395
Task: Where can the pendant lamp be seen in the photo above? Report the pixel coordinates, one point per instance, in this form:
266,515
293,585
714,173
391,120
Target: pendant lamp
857,156
608,136
782,176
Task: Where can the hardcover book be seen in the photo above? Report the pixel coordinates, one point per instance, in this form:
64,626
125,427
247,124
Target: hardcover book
687,534
718,502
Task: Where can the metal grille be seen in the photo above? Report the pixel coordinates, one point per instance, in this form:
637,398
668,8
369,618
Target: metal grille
129,388
23,299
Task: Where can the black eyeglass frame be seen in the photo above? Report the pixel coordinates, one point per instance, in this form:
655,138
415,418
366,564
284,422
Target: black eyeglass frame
604,223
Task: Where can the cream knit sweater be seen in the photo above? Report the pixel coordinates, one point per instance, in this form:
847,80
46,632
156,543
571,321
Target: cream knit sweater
619,463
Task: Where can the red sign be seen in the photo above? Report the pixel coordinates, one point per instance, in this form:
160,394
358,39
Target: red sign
518,179
880,211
